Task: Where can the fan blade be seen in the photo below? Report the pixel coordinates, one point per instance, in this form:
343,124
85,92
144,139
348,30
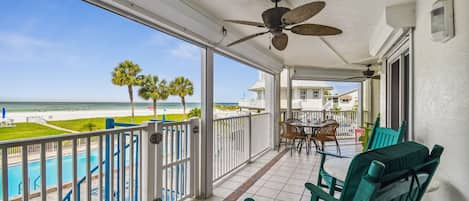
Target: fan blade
246,38
303,13
350,78
256,24
315,30
280,42
376,77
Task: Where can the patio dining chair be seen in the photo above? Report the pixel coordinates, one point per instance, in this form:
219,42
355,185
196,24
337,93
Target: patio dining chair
290,134
291,120
398,172
332,171
327,134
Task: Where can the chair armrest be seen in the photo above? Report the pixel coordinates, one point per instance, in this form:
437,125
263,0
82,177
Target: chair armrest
331,154
317,193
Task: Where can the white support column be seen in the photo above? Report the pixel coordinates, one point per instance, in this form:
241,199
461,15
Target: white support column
360,105
270,107
275,107
289,93
149,166
206,169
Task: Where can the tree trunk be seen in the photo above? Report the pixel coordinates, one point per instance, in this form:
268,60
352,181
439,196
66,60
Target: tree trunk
154,109
183,101
132,109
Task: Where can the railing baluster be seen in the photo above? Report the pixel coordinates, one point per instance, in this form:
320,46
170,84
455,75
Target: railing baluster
172,160
131,167
43,173
5,173
74,170
111,166
122,167
100,167
166,157
59,171
140,159
88,169
25,173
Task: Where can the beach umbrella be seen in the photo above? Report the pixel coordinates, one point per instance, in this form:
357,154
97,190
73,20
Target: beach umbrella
4,112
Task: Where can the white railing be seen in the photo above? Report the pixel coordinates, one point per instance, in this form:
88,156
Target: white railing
179,147
260,133
236,140
118,164
347,120
88,171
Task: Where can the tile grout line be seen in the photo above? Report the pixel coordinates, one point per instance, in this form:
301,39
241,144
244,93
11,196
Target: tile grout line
235,195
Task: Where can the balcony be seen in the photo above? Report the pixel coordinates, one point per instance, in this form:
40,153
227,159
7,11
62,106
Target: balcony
232,158
126,160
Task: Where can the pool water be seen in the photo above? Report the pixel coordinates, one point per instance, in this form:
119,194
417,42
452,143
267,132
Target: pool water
15,176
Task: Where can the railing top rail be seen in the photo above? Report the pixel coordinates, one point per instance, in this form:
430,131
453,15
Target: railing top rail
48,139
232,117
260,114
174,123
324,110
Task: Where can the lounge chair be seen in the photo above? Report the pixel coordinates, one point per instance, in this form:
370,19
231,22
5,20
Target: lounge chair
380,137
398,172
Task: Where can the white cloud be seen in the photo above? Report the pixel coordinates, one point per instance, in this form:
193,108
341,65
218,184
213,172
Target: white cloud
17,40
185,50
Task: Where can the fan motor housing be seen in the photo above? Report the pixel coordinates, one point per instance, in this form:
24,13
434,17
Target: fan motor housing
368,73
273,17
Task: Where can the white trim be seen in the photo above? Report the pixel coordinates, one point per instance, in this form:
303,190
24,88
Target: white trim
403,47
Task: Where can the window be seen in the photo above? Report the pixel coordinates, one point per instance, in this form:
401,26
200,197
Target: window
316,94
345,100
303,94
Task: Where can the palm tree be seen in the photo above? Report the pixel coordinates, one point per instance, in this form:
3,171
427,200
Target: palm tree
154,89
182,87
126,74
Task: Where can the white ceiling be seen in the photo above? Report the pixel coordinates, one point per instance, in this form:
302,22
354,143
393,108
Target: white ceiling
356,18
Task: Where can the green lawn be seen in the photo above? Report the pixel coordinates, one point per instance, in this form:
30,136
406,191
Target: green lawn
31,130
27,130
79,124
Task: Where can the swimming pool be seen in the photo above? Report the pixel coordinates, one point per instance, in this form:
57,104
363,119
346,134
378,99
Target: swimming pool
15,176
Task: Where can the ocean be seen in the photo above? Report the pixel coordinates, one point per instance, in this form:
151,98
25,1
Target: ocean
90,106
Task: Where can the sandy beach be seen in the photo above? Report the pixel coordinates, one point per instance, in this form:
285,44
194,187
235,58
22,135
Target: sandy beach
67,115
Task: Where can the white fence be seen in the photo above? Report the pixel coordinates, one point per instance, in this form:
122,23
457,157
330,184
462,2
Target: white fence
130,163
79,171
237,139
118,164
347,120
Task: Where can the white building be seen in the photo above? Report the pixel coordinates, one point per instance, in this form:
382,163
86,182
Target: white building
345,101
306,95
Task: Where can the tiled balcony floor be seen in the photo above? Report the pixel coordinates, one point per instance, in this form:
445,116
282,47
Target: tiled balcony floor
283,181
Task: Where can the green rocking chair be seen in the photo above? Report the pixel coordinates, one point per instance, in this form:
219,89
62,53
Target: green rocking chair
398,172
380,137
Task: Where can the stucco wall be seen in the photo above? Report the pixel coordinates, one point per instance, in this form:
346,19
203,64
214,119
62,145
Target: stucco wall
442,98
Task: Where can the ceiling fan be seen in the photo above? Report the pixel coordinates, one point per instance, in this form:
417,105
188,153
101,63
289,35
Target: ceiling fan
278,19
368,73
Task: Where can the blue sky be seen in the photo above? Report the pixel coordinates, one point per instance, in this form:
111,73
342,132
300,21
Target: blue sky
65,50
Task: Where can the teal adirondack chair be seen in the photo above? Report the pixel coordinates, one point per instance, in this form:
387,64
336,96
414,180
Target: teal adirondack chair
398,172
380,137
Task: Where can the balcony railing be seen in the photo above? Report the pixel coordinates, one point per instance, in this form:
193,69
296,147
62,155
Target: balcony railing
347,120
236,140
127,161
102,160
